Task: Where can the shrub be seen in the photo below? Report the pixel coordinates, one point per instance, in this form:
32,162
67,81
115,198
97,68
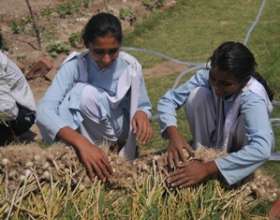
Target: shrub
153,4
75,39
127,14
57,47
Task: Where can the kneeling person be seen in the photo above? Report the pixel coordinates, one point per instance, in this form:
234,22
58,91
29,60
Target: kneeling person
17,105
227,106
98,95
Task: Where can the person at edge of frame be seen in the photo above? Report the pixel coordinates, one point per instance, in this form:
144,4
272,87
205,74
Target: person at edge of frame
17,105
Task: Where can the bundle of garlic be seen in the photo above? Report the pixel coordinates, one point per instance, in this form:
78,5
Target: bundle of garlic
60,163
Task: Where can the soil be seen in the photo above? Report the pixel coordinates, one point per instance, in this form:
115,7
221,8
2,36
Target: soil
23,46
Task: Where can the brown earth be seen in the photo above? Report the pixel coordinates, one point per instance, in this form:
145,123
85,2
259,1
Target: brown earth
23,47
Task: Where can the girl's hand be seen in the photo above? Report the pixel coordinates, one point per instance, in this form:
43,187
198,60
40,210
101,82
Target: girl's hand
95,161
92,157
142,127
175,148
191,173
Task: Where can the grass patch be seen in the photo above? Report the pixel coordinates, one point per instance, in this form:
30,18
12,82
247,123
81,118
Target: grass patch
192,29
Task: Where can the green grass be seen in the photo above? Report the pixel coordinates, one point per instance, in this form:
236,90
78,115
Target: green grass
192,29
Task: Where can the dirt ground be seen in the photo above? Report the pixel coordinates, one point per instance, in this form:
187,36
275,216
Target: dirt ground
22,47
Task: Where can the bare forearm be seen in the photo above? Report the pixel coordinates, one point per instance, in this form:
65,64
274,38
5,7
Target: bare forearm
93,158
172,132
72,137
211,168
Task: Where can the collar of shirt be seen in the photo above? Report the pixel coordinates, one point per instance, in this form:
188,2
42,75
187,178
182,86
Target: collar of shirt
107,78
97,68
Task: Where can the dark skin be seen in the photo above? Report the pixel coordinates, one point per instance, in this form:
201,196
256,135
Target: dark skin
195,171
93,158
191,173
142,127
175,148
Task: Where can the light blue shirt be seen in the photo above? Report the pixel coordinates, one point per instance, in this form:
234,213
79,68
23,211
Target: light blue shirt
67,79
235,166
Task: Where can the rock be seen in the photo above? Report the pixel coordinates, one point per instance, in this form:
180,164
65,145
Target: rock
27,173
46,166
40,68
5,162
46,175
12,174
37,157
29,164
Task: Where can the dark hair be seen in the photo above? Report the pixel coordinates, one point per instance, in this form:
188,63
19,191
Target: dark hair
101,25
237,59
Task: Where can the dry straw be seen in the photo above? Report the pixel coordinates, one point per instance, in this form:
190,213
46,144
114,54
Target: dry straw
52,184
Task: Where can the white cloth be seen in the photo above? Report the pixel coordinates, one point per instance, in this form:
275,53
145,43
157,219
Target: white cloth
13,88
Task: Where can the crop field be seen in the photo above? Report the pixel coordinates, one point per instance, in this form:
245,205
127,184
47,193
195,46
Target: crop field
48,182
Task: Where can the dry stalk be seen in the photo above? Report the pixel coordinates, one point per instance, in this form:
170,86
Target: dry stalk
78,211
19,201
42,193
140,183
31,216
6,183
34,24
27,210
106,5
12,203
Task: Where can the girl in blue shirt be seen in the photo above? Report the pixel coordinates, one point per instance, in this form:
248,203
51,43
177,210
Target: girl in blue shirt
228,106
98,95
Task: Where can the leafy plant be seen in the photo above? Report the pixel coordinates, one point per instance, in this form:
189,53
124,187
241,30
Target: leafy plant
57,47
86,3
15,27
66,9
75,39
153,4
19,26
127,14
46,12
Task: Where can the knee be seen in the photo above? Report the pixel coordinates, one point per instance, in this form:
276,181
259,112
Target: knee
198,98
93,102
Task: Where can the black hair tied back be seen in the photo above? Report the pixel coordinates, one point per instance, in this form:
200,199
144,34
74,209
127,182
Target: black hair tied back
235,58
